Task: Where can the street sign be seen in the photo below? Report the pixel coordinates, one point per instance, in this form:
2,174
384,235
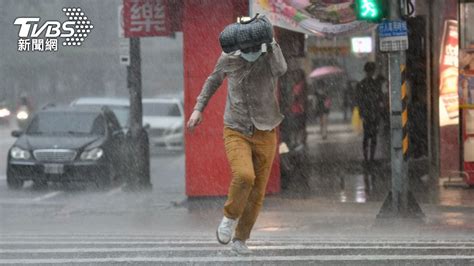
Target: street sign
361,44
124,50
393,35
146,18
120,23
124,43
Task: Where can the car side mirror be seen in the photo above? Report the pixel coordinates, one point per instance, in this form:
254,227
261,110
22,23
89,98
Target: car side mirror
17,133
127,132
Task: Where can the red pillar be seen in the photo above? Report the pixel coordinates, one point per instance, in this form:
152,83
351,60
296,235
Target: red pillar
207,170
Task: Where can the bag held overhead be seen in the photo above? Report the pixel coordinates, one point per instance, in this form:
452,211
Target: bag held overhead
238,36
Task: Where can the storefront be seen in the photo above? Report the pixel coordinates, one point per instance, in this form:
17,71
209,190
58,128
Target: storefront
207,171
440,53
466,88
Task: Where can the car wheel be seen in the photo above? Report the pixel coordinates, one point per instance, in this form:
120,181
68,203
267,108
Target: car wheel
14,182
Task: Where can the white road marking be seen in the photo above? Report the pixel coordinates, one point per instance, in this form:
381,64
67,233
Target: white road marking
25,201
220,247
114,191
48,196
234,259
104,242
40,240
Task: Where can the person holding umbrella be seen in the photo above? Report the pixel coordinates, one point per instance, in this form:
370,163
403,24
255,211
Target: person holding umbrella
323,100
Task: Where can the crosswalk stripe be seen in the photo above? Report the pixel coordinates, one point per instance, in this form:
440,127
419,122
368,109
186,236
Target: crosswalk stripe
234,259
156,249
135,242
206,240
219,248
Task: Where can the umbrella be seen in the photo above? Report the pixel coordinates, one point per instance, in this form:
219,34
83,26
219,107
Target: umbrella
325,71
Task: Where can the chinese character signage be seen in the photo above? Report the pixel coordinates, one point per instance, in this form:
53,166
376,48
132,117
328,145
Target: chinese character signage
449,72
145,18
393,35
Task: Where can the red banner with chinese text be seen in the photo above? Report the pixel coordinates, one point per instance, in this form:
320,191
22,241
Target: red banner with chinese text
146,18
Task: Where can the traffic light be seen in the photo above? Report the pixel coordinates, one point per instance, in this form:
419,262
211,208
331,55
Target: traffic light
370,10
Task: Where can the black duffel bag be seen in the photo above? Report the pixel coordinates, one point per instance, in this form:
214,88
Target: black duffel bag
248,34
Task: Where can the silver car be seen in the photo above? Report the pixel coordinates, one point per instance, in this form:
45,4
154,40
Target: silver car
120,107
165,120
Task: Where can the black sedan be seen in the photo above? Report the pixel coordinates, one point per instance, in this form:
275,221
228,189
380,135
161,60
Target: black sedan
68,144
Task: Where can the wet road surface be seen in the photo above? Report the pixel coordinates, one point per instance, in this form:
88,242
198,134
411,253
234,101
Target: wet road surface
330,221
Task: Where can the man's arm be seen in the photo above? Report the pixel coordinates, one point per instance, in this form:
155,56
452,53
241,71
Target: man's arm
277,61
213,82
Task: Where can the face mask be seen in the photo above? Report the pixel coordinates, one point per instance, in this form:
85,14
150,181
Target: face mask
252,56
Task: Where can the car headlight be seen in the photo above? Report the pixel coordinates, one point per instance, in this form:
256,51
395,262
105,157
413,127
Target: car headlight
4,112
22,115
17,153
93,155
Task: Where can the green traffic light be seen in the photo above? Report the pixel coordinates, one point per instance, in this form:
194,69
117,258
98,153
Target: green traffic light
370,10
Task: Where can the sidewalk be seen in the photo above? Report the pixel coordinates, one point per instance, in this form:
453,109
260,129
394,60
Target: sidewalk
326,218
343,200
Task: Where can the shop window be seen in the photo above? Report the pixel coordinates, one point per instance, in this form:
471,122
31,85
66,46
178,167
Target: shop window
467,20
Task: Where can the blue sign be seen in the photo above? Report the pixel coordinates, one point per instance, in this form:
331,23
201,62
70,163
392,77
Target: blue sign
392,28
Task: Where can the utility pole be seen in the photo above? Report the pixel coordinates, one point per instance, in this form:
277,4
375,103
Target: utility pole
400,203
139,176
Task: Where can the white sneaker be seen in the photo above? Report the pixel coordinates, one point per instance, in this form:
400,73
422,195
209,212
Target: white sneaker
239,247
224,231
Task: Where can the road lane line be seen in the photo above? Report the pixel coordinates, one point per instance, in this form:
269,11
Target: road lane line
48,196
199,237
171,242
234,259
262,244
114,191
220,247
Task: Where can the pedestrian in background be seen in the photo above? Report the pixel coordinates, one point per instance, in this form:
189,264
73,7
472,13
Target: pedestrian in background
298,108
323,106
251,115
348,102
369,99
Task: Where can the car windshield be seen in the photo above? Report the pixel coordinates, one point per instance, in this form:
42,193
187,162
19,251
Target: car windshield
67,123
121,112
161,109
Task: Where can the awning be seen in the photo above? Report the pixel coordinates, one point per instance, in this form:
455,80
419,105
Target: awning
321,18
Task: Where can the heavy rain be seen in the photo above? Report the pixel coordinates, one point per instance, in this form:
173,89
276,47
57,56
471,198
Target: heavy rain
236,132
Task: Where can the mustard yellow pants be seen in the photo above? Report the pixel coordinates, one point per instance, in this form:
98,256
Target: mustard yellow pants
250,160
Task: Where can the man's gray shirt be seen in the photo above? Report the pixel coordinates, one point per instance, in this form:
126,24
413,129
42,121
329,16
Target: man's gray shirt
251,96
